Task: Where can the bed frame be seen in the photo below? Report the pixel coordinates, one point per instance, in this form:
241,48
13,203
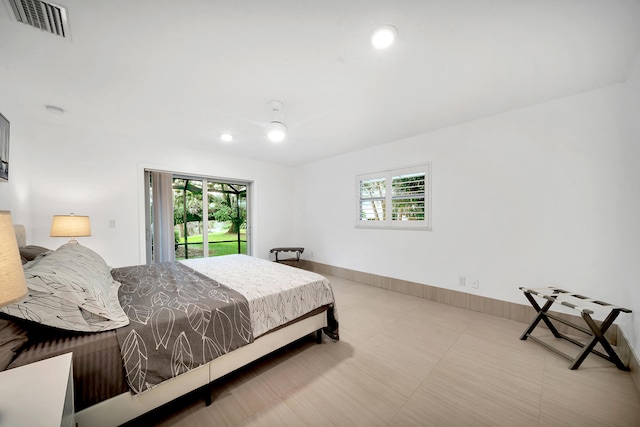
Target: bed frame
126,406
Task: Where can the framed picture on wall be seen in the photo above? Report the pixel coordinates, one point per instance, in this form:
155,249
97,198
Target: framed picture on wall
4,148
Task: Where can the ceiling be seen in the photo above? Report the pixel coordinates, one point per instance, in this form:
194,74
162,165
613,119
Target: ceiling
185,71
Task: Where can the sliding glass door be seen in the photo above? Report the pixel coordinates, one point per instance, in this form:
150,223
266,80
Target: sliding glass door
209,218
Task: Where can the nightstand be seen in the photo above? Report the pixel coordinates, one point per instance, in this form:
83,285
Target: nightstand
38,394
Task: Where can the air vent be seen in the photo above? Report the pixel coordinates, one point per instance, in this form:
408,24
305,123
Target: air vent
45,16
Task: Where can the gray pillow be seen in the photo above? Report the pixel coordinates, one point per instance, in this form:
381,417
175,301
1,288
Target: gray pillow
71,288
30,252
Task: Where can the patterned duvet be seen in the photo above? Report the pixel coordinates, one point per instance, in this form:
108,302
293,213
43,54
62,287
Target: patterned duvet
276,293
185,314
180,319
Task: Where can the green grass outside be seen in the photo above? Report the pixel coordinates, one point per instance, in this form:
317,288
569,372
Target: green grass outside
216,236
221,248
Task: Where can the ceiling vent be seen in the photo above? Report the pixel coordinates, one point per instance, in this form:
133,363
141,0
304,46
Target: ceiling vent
45,16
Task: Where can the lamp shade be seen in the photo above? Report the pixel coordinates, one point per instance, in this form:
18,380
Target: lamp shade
13,286
70,226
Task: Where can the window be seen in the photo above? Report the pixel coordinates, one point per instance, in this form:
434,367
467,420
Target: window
398,198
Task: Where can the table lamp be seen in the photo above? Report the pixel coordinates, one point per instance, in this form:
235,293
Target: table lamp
13,286
71,226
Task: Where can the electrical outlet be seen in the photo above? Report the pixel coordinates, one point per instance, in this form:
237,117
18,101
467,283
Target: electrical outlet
475,283
310,254
462,281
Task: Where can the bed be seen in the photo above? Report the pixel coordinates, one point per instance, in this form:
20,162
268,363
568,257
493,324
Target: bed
129,353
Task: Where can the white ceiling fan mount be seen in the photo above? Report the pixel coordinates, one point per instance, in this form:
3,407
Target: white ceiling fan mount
276,130
275,106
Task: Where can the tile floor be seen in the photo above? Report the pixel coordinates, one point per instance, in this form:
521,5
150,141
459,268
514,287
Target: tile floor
405,361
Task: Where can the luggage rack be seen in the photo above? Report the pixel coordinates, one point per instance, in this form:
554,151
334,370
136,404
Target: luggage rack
288,261
586,306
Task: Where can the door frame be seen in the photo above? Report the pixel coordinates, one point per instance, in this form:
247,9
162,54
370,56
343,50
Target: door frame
144,205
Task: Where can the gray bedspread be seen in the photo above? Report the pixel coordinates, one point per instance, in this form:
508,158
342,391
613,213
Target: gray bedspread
180,319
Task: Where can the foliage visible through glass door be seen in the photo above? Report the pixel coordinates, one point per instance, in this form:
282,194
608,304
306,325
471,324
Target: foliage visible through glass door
198,223
224,205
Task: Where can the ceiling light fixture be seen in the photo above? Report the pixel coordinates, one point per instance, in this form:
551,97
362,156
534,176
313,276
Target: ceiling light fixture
226,137
384,36
276,130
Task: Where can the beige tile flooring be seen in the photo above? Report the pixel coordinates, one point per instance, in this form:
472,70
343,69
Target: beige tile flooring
405,361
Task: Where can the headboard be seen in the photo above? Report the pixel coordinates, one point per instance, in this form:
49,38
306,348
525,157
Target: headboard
21,235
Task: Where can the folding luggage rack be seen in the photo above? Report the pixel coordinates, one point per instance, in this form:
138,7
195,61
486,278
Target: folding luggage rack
288,261
586,307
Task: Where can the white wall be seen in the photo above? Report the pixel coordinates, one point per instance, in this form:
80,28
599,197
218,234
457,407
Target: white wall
58,169
530,197
628,276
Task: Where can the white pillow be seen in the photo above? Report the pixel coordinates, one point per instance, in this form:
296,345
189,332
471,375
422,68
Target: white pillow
71,288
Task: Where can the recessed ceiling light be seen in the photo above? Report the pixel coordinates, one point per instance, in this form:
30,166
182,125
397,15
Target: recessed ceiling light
226,137
384,36
276,131
54,109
